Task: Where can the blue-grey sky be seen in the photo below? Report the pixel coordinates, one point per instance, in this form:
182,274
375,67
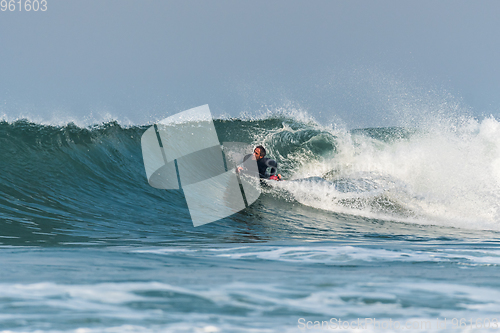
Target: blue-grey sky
358,61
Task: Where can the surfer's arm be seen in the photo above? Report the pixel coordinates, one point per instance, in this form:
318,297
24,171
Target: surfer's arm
240,168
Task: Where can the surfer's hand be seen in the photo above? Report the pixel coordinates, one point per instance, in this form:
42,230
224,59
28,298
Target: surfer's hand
239,169
279,176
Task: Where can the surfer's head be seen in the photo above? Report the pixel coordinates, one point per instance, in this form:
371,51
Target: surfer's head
259,152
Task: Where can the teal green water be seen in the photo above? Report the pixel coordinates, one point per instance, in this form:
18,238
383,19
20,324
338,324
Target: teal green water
392,224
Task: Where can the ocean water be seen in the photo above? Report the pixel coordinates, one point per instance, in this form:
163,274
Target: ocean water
397,228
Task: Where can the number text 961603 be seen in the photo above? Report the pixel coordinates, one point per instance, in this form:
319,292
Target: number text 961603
23,5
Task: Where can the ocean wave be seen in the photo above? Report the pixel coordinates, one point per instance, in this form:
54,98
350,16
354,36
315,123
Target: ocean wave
87,182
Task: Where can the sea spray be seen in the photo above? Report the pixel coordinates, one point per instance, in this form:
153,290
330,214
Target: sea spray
439,175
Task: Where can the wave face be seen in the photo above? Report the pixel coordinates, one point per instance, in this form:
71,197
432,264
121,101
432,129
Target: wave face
68,185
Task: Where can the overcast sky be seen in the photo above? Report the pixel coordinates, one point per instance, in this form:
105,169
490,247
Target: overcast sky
353,60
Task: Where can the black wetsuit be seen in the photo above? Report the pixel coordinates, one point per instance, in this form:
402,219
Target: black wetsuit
263,164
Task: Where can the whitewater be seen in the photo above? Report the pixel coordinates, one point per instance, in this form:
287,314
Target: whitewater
394,224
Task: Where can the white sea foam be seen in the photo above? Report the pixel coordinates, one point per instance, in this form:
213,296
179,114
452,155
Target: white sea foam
338,255
448,174
277,308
